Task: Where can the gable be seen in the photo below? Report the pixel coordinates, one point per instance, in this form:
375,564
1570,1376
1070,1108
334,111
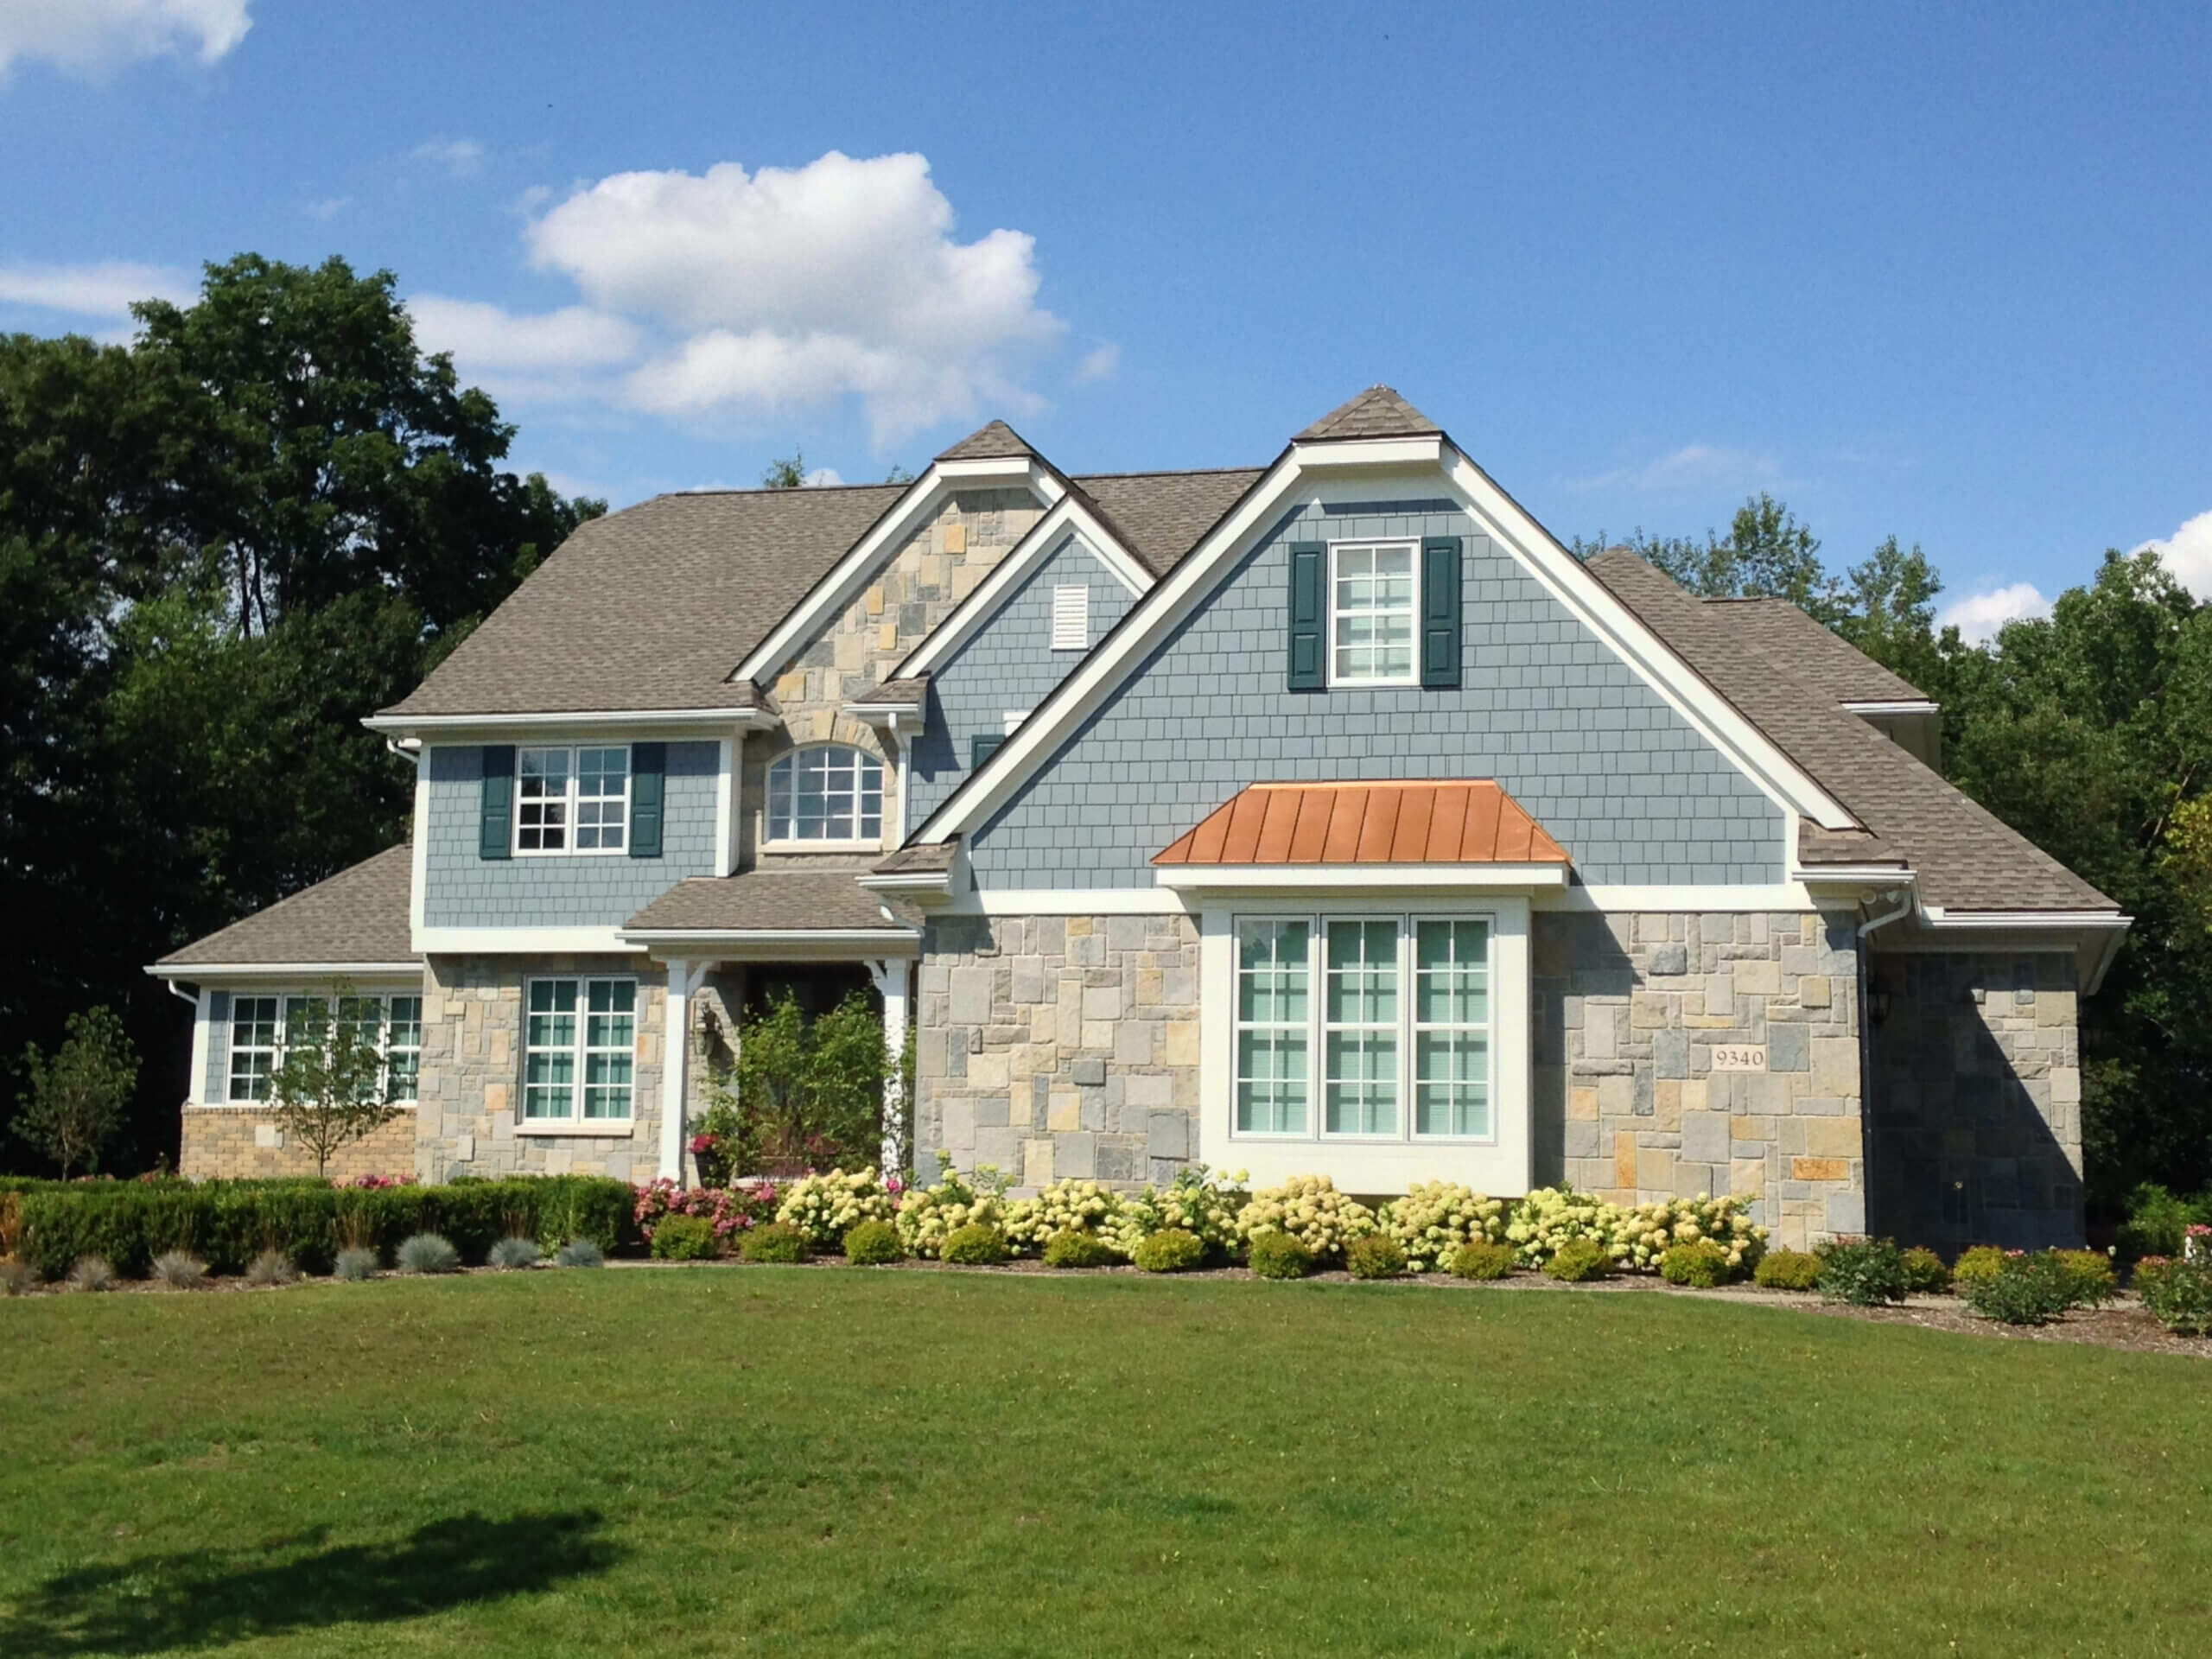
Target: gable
1632,788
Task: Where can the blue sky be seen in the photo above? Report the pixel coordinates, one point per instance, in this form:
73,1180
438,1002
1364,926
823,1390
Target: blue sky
1939,271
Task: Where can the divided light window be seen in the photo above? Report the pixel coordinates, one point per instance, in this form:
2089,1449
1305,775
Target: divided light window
579,1043
827,793
572,800
262,1028
1373,589
1401,1028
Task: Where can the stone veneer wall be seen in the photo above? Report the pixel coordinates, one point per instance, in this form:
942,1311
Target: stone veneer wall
940,565
472,1073
1059,1045
1628,1009
1976,1109
226,1142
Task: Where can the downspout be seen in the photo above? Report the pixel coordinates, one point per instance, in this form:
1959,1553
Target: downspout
1880,918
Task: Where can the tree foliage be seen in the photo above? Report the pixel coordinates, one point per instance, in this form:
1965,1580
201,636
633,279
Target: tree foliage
810,1091
330,1089
76,1098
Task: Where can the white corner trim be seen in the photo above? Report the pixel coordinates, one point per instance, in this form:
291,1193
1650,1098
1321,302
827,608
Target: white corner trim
1068,519
418,855
195,1092
1352,878
509,941
726,805
883,540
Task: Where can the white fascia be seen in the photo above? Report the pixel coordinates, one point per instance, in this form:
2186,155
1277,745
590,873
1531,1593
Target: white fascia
1891,710
195,972
514,941
776,943
1362,878
912,510
702,723
1937,917
1069,517
1177,593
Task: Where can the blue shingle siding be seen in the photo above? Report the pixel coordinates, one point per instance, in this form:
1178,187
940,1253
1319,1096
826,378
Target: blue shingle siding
1544,706
1009,665
575,890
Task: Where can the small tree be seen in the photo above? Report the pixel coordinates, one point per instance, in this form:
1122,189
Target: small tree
330,1089
811,1090
786,472
77,1097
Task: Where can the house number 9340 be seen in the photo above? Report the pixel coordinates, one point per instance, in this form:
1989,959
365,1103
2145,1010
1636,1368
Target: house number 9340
1739,1057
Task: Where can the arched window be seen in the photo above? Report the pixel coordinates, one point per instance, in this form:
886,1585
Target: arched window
828,793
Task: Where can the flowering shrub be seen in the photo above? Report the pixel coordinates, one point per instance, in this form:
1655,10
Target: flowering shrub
1552,1218
827,1207
1197,1201
1066,1206
2177,1291
733,1210
1863,1272
2197,1242
1436,1217
1636,1237
2027,1290
1310,1209
929,1215
368,1183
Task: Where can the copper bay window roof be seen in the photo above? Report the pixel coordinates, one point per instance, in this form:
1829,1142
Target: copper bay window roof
1446,821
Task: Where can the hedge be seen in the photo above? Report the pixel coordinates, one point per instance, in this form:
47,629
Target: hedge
227,1223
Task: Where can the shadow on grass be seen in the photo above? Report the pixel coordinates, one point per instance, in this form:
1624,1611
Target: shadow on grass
206,1598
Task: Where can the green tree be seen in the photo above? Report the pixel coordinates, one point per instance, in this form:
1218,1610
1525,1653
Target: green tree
330,1089
76,1098
786,473
811,1091
1766,553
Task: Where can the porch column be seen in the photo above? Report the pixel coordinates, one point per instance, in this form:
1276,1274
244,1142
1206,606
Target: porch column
684,978
891,975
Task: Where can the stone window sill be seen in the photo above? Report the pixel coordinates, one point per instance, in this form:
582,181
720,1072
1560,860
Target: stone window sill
574,1127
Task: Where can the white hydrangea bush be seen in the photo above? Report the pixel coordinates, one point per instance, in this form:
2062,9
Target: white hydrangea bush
1635,1236
1068,1205
827,1207
1434,1218
1553,1216
929,1215
1310,1209
1199,1201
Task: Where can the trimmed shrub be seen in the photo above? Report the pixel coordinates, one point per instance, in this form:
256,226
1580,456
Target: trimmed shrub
873,1244
1278,1255
777,1241
1863,1272
1376,1256
1171,1251
270,1268
511,1253
1482,1260
827,1207
90,1274
976,1246
1788,1270
1310,1209
426,1253
1925,1274
2090,1281
355,1267
2176,1292
2027,1290
1196,1200
1982,1261
179,1270
1698,1262
1070,1249
1579,1261
579,1253
690,1238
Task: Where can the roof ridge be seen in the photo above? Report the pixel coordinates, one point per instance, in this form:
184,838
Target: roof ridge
781,489
1171,472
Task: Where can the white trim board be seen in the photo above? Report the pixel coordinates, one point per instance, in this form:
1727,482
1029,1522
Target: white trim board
1179,593
516,941
1357,878
196,972
666,722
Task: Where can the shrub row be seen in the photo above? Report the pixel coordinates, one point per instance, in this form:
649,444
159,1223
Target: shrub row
227,1223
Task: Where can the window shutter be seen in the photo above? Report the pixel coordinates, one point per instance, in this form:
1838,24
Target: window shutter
1309,577
495,824
1440,611
648,773
217,1089
986,744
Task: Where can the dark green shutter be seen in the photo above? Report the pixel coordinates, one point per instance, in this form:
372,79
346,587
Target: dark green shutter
495,824
1440,611
1309,580
648,768
986,744
216,1086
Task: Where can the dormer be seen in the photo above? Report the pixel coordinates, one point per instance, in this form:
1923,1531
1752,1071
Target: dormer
1914,724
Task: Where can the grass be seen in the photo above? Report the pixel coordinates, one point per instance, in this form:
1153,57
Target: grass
802,1461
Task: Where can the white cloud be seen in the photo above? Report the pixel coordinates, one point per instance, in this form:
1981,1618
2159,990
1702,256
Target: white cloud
103,290
1978,616
1098,364
2188,554
823,478
329,207
90,37
1694,469
488,337
462,157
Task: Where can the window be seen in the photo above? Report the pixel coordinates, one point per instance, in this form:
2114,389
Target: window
572,800
1072,619
828,793
579,1031
263,1028
1372,596
1381,1048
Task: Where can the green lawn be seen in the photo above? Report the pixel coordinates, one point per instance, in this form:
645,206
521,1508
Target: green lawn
802,1461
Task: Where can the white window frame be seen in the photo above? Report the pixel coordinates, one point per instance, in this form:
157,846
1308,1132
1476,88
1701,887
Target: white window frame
579,1051
277,1047
1071,616
1012,718
572,800
771,836
1411,547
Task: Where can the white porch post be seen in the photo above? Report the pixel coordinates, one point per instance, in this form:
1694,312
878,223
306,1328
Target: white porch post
684,978
891,975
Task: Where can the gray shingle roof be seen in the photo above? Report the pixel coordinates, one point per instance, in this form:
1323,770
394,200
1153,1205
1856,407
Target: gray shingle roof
996,442
1764,658
1378,412
360,915
927,857
1161,515
910,693
768,900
